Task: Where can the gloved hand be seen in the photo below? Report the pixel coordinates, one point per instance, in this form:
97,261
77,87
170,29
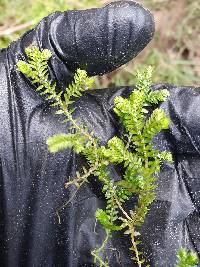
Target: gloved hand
32,179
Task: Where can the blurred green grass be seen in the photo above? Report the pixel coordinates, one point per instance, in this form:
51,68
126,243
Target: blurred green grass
20,12
174,53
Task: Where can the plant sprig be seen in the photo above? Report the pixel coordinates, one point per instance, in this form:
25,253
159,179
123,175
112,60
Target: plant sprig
36,69
136,153
186,258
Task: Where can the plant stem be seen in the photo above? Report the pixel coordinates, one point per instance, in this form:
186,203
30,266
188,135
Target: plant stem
132,232
97,251
122,210
135,247
83,178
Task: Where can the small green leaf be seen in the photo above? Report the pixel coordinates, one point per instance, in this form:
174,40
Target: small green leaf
24,67
63,141
103,218
59,112
47,54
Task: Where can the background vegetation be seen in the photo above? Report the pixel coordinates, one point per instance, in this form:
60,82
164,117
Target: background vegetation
174,52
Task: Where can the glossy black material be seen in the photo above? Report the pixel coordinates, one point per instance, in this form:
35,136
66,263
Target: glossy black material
97,40
32,180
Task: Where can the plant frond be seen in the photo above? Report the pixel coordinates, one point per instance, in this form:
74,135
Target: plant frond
137,156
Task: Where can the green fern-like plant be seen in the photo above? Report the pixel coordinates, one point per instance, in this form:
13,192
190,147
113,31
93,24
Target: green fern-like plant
37,70
186,258
134,150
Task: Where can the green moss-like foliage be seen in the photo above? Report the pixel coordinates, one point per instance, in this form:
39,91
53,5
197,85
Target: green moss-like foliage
186,258
134,150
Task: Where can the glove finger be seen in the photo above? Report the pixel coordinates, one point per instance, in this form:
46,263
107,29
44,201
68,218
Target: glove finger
98,40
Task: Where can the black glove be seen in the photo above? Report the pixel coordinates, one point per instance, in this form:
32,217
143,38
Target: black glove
32,179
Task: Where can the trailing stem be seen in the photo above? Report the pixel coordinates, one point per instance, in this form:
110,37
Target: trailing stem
128,222
96,253
135,248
